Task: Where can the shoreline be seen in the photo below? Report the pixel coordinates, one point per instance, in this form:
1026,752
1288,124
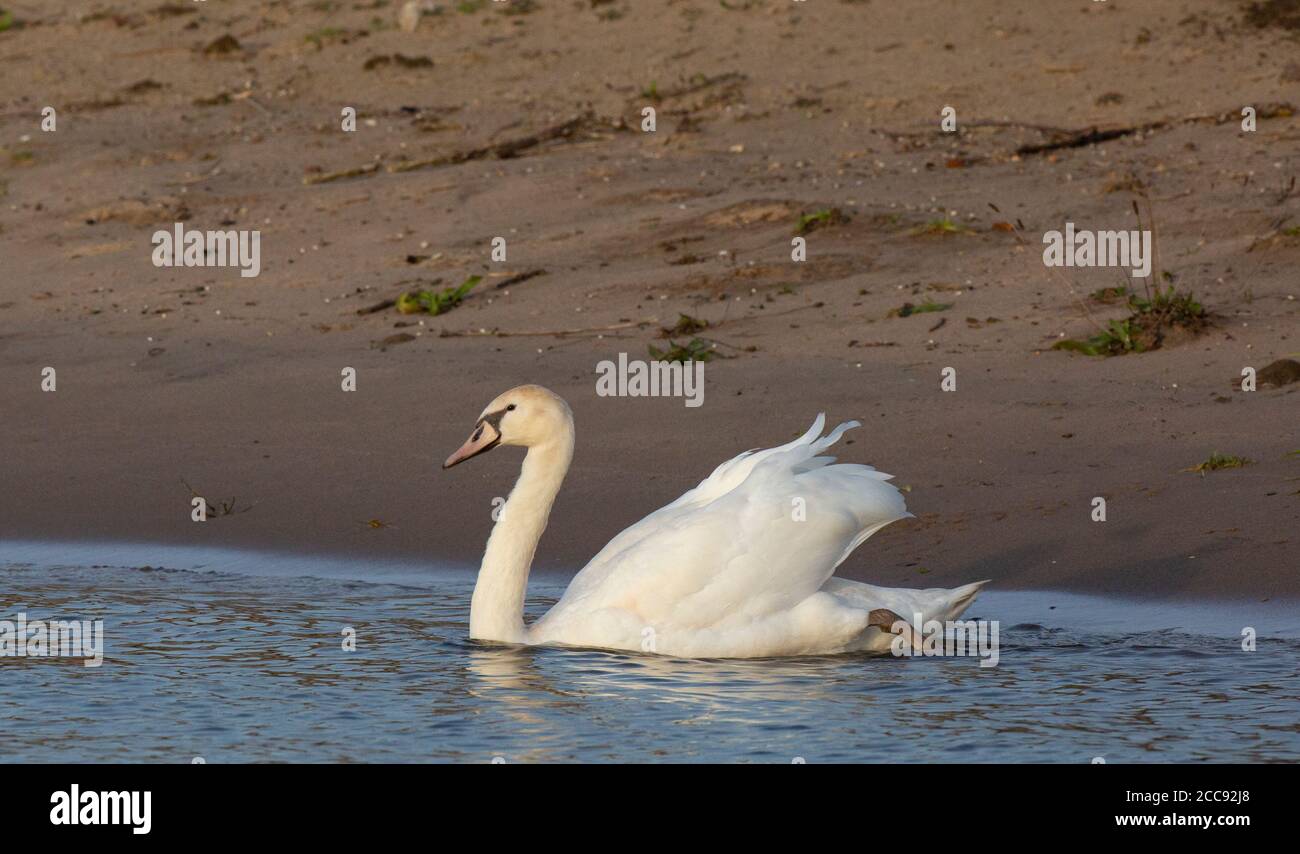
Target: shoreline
279,564
1016,611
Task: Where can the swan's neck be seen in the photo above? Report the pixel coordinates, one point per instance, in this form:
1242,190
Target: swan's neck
497,610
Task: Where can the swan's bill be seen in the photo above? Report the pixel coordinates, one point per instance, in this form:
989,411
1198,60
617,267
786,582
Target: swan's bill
485,437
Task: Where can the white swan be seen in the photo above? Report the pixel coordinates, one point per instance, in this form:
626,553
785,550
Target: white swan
729,570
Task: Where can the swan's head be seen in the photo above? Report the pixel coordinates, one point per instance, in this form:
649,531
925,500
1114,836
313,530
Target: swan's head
527,415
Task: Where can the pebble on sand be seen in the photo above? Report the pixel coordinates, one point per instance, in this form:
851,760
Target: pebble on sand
409,16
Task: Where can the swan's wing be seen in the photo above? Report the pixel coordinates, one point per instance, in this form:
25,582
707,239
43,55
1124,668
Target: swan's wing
757,537
801,454
734,471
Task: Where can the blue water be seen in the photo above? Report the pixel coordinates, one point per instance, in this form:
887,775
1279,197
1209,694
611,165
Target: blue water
239,658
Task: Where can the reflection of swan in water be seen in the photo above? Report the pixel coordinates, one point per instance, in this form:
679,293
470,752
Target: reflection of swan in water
534,688
738,567
509,676
498,671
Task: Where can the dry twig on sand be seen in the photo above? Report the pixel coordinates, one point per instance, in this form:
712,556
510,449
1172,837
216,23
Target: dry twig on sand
499,150
543,333
1094,135
520,277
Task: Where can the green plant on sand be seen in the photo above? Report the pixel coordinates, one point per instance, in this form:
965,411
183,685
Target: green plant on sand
826,216
697,350
1149,321
436,302
1220,461
908,309
943,225
685,325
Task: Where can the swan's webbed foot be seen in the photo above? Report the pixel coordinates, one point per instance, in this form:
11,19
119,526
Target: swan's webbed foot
886,620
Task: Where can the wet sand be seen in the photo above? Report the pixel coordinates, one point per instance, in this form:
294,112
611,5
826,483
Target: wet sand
766,112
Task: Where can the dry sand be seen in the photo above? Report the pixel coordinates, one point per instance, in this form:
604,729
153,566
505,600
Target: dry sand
766,110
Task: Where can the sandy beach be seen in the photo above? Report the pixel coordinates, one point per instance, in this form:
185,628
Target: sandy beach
774,120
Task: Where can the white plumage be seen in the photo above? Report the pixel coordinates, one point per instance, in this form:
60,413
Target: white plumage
738,567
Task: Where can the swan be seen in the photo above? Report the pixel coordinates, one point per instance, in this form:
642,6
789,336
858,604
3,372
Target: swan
738,567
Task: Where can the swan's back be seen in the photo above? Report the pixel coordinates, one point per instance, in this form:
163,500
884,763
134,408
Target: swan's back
737,565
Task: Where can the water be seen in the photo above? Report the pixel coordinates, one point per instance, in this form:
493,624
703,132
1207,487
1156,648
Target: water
247,666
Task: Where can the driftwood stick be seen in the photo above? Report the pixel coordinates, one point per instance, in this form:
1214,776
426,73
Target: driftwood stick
542,333
1094,135
1080,137
521,277
379,306
368,169
500,150
700,85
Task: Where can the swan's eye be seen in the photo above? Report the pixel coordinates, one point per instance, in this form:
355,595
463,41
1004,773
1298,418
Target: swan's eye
510,408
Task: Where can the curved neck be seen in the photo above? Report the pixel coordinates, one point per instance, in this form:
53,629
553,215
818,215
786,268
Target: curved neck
496,612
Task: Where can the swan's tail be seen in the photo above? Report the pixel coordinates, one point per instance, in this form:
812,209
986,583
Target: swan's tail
958,600
935,603
885,606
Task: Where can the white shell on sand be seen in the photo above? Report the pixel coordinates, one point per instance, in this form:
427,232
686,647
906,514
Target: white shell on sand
409,16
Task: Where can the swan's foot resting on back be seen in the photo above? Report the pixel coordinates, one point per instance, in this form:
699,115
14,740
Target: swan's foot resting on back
738,567
896,605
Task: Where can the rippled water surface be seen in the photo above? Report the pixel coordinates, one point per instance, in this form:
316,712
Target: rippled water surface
234,667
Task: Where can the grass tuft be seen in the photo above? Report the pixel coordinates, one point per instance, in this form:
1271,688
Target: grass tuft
943,225
1149,321
1220,461
697,350
908,309
818,219
436,302
685,325
325,35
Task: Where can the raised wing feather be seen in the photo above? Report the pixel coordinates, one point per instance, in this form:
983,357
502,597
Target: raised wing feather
762,533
